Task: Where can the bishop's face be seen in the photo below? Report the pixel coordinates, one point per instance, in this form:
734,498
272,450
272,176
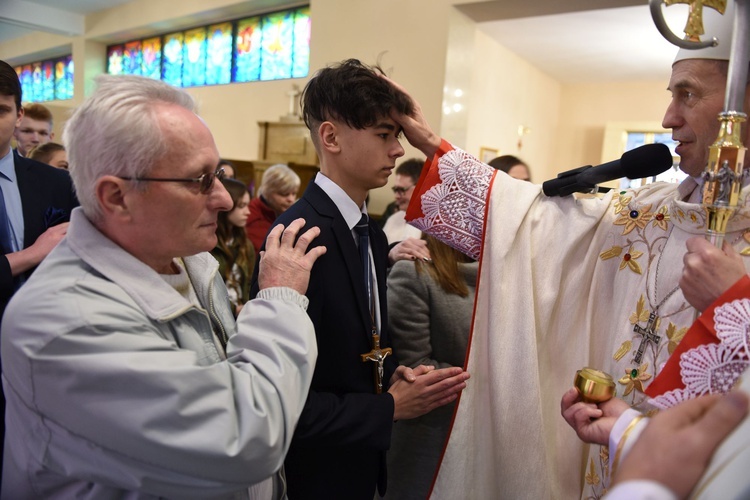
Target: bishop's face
697,87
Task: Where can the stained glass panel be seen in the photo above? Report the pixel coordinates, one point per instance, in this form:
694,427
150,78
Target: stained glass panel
219,54
267,47
247,50
48,81
301,64
172,71
26,82
131,58
64,74
114,60
151,63
276,47
194,58
36,81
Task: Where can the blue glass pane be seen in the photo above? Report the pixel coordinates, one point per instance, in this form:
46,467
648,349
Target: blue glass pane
48,81
194,58
172,71
69,77
114,60
24,75
151,63
301,65
276,55
132,58
247,50
36,82
219,54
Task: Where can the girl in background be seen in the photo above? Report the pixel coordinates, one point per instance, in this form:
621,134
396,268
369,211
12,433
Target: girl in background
233,250
430,305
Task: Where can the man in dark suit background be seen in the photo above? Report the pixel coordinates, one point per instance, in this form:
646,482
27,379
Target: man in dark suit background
339,446
38,198
37,201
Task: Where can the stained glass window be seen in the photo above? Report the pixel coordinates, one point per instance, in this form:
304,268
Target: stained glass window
219,54
64,78
132,58
36,82
48,80
301,51
247,50
194,58
266,47
172,70
276,47
25,76
114,60
151,62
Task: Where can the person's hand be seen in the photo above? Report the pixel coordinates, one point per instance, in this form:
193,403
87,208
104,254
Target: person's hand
416,129
49,239
29,257
410,374
593,423
409,249
430,389
677,445
284,263
708,271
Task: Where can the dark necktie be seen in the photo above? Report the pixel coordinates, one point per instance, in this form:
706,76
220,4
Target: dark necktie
362,230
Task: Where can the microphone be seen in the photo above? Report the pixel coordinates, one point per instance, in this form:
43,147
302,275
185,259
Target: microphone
645,161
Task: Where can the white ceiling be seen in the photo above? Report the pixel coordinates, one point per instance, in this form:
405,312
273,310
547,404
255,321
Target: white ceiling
607,44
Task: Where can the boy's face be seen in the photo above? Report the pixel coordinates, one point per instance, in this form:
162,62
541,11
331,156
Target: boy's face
368,156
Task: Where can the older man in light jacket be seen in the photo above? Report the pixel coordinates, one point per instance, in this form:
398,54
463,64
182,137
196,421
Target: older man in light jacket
125,372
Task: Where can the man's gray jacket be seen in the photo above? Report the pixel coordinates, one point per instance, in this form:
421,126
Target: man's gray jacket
117,388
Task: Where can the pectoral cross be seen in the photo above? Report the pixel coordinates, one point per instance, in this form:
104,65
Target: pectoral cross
648,335
377,355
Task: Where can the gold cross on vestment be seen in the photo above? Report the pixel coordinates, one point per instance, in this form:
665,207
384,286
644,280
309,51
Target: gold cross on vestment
694,27
647,334
377,356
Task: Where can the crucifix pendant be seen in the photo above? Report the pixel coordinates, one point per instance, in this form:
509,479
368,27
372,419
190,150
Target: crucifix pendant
377,356
648,335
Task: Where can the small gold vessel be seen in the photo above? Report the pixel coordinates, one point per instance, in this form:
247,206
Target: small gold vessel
595,386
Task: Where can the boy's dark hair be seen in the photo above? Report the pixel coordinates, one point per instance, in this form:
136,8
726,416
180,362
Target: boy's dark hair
353,93
411,168
9,84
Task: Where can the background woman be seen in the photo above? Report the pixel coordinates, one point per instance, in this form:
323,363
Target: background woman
430,306
233,251
277,192
51,153
513,166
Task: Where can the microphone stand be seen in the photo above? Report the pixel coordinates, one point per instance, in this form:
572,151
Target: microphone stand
724,174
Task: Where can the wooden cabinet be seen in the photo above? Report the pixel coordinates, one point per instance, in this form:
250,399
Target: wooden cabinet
288,143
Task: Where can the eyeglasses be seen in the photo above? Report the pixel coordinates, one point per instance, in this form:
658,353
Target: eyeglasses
206,180
401,190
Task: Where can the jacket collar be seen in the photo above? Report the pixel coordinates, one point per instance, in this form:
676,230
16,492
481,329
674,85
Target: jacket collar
153,295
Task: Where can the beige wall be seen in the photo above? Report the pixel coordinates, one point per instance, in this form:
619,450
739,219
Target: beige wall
411,41
508,93
586,109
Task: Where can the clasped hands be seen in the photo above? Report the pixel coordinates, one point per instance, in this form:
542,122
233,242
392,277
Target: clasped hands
422,389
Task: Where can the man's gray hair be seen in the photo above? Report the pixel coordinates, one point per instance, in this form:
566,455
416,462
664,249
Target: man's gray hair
116,132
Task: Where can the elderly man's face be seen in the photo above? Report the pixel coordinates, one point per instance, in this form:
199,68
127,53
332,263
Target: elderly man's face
697,87
173,219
